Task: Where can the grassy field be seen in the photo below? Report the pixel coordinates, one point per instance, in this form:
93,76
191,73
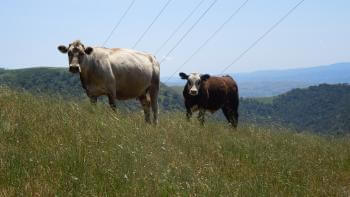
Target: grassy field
50,147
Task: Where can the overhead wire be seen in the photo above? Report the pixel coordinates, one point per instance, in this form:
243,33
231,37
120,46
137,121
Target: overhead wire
263,36
179,26
188,31
209,38
150,25
119,22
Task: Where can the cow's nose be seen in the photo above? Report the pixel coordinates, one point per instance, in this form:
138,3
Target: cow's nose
74,69
193,92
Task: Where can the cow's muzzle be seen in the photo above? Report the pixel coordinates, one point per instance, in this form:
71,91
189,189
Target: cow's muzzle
193,92
74,68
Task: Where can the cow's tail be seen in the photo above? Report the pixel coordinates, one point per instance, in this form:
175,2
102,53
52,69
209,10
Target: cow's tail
154,89
155,61
156,68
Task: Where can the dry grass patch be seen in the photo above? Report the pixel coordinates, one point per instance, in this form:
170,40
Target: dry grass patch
53,147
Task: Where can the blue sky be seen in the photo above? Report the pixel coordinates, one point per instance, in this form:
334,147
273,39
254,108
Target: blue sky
317,33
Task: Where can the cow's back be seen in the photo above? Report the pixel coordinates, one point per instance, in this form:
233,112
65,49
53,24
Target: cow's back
133,71
217,91
231,85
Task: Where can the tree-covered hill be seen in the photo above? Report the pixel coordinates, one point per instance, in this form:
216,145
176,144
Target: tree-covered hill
318,108
322,109
58,81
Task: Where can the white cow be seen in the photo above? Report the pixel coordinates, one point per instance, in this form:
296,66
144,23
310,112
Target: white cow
118,73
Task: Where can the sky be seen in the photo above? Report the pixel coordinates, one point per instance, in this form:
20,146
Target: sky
316,33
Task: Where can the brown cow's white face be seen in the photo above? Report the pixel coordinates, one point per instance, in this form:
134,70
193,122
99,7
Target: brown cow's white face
76,52
194,81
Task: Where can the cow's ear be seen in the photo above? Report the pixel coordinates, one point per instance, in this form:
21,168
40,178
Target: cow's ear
62,48
205,77
88,50
183,75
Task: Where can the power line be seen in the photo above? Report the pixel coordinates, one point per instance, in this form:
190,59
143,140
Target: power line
118,23
210,37
149,26
189,30
263,36
178,27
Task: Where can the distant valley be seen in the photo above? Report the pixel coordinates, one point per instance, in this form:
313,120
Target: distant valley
275,82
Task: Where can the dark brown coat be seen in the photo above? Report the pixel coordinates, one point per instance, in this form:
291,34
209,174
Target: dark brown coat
213,93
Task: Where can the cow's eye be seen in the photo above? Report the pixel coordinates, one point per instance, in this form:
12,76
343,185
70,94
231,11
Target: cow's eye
70,53
197,82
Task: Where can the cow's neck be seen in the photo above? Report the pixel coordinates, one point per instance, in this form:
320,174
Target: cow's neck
83,81
84,70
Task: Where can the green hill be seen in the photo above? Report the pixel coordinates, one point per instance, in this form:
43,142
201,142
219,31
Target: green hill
59,82
322,109
53,147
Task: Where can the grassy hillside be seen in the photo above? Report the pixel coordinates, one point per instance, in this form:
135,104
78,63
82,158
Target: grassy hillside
49,147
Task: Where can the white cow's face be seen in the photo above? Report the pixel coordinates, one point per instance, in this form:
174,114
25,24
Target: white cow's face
76,52
194,81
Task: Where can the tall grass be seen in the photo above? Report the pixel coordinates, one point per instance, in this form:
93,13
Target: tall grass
49,147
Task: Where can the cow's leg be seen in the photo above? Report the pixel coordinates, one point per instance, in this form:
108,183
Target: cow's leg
93,100
188,114
235,118
146,105
111,97
153,91
201,116
230,116
111,100
234,109
188,110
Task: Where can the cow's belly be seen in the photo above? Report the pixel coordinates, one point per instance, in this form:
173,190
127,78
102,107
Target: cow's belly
132,84
212,105
132,90
212,108
122,94
96,90
127,94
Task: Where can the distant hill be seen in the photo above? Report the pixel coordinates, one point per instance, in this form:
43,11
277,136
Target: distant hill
275,82
321,109
58,81
268,88
334,73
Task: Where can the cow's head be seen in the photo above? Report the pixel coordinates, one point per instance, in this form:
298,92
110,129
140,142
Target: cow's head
194,81
76,52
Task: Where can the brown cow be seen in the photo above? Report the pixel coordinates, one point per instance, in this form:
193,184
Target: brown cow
205,92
